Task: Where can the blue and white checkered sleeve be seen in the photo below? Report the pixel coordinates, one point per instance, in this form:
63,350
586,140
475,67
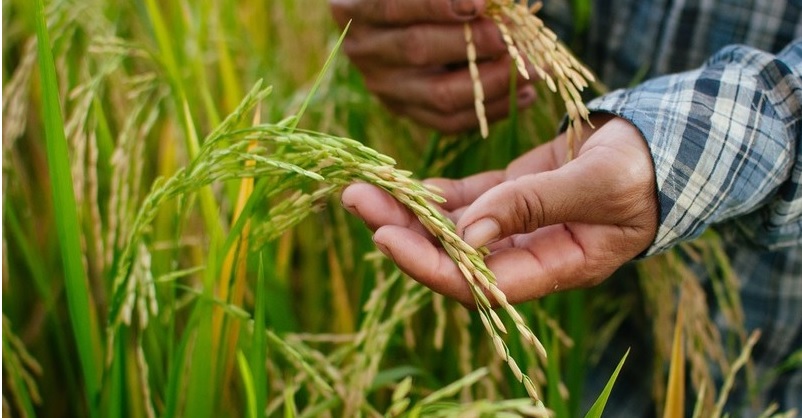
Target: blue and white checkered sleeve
726,140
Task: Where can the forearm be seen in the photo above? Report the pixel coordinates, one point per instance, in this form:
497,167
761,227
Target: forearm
725,141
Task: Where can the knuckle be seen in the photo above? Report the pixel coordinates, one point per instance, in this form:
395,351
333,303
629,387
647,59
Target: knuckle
443,98
413,47
488,39
386,10
527,208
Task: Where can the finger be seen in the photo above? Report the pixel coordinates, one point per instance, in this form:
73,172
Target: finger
423,261
462,192
560,257
377,208
401,12
598,187
550,260
466,119
422,45
443,92
545,157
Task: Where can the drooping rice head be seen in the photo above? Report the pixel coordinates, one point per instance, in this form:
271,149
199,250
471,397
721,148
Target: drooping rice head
528,39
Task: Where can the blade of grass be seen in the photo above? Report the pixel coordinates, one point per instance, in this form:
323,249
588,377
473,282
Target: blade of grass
597,408
556,402
79,300
247,383
576,358
675,394
232,88
177,374
258,343
115,380
290,410
203,382
343,315
320,76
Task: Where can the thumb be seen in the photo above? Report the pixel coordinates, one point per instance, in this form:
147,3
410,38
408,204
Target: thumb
596,188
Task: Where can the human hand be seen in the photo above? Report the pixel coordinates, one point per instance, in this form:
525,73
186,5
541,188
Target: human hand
412,54
549,226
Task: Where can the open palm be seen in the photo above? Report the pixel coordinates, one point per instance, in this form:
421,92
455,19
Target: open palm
549,226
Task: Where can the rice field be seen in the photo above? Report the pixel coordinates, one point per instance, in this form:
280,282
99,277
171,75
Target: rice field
174,245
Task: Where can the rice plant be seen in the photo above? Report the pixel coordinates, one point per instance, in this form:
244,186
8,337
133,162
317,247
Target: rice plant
173,244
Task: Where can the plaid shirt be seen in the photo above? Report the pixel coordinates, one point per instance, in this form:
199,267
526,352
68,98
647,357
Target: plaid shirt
723,121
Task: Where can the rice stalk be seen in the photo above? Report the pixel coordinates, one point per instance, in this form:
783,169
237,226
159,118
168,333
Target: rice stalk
729,380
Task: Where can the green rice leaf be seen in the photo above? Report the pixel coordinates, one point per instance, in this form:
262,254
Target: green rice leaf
675,395
597,408
258,343
67,223
247,383
319,78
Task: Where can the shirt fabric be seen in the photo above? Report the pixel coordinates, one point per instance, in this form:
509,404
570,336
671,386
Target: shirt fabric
715,88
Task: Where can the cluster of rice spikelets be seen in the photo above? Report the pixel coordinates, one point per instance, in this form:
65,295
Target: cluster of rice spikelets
528,39
347,372
332,162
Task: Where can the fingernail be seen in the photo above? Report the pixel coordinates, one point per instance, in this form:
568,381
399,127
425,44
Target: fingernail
464,8
383,248
482,232
350,208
